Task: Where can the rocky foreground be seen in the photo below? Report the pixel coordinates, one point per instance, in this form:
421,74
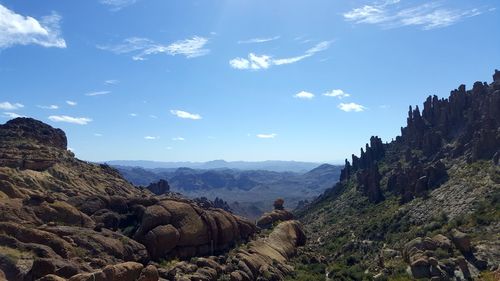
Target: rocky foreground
66,219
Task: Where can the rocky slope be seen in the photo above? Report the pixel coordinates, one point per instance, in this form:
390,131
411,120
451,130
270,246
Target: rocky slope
62,218
426,205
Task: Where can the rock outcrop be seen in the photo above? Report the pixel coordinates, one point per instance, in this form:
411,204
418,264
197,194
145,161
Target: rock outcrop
465,124
158,188
279,214
437,259
441,173
261,259
77,220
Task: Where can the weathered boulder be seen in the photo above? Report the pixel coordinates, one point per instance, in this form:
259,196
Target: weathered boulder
461,241
442,241
153,216
149,273
268,219
161,240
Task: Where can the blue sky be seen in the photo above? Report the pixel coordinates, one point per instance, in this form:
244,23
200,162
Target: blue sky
236,80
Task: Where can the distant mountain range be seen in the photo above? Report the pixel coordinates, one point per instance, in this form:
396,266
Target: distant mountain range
270,165
248,192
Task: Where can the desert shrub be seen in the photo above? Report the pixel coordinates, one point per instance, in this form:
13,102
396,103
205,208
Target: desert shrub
344,272
167,264
308,272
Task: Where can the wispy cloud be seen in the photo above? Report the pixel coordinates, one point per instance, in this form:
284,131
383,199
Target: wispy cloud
51,107
71,103
338,93
12,115
267,136
69,119
151,138
98,135
153,116
304,95
98,93
111,82
258,40
140,48
349,107
178,139
16,29
133,114
10,106
257,62
116,5
168,148
392,14
185,115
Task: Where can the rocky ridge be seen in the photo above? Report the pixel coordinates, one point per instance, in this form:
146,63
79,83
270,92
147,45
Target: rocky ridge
62,218
440,177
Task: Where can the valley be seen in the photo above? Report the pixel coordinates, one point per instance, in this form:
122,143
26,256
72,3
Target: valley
248,192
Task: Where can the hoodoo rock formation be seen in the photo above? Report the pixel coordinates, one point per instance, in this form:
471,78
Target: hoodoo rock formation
425,205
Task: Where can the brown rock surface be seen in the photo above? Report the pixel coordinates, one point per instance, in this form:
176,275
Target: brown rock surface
65,217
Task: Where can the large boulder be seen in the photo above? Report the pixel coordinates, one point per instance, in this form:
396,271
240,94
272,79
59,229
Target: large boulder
268,219
153,216
161,240
461,241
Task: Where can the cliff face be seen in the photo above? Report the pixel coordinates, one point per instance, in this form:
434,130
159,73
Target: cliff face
464,125
442,173
63,216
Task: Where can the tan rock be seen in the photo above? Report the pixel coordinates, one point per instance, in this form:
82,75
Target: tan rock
149,273
161,240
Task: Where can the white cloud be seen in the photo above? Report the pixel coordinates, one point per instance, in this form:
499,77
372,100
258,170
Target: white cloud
98,93
348,107
71,103
239,63
178,139
428,15
98,135
51,107
10,106
12,115
140,48
133,114
153,116
185,114
168,148
258,40
111,82
290,60
69,119
338,93
304,95
256,62
116,5
266,136
16,29
151,138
